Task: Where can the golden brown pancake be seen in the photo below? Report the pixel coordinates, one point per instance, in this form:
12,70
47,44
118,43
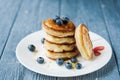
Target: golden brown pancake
62,40
63,55
54,29
58,47
83,42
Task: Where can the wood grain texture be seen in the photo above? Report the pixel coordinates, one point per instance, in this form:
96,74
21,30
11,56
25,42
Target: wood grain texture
8,12
111,13
28,20
11,71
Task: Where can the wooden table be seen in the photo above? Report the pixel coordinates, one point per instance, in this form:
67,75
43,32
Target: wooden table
19,18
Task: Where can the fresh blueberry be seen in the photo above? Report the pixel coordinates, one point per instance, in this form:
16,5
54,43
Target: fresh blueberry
65,20
60,61
59,22
68,65
56,17
31,47
40,60
78,66
73,60
42,40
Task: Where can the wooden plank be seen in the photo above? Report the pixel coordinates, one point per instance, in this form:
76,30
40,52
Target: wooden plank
8,12
9,71
111,11
29,18
89,13
48,9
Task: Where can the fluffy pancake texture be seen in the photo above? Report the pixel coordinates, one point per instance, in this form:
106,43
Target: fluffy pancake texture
58,40
63,55
57,47
83,41
52,28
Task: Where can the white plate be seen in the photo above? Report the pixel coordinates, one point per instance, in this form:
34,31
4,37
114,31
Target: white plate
50,68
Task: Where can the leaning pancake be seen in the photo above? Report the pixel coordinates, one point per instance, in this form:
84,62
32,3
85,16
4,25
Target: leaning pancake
83,41
63,55
62,40
57,47
54,29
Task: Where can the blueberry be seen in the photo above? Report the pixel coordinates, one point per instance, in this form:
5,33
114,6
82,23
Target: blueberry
59,22
40,60
78,66
73,60
42,40
56,17
31,47
68,65
65,20
60,61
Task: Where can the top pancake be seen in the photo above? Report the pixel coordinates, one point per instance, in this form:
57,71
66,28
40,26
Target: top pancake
64,28
54,29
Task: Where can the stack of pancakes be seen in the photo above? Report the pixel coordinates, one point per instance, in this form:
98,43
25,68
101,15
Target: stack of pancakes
59,40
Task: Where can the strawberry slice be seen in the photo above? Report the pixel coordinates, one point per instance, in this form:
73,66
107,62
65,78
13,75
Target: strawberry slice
97,53
98,48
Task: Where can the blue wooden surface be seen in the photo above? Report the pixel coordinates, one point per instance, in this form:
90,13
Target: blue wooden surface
19,18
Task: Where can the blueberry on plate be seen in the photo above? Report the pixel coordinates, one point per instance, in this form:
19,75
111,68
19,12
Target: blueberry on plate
40,60
68,65
55,18
31,47
73,60
60,61
78,66
42,40
59,22
65,20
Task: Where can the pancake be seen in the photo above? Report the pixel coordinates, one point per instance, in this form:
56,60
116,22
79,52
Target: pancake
54,29
57,47
65,40
83,42
63,55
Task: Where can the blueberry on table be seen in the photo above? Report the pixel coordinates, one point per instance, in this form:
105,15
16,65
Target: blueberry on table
31,47
73,60
42,40
65,20
60,61
78,66
40,60
59,22
68,65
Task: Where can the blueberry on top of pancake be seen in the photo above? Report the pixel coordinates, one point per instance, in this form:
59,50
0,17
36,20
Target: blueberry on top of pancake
58,25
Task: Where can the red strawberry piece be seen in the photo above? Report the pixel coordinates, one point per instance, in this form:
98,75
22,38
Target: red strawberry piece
98,48
96,53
